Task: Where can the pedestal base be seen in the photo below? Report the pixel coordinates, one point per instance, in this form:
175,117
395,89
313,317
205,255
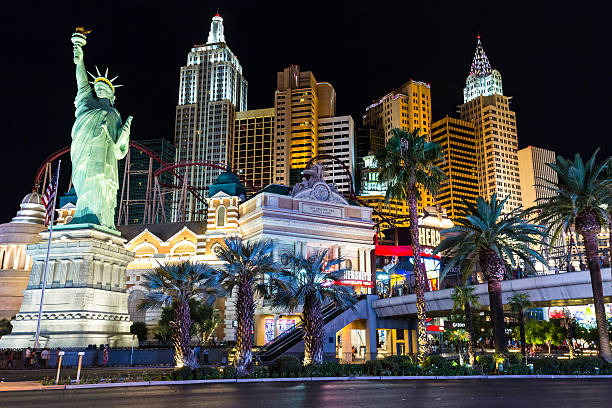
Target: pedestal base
85,300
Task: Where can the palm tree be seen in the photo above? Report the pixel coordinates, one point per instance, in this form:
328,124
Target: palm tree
484,235
310,282
607,175
583,196
518,303
568,322
247,265
408,165
464,300
178,283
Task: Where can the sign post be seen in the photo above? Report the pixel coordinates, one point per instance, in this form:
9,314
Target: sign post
81,354
132,355
59,365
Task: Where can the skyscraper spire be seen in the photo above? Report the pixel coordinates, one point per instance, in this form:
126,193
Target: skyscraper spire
215,35
482,80
480,64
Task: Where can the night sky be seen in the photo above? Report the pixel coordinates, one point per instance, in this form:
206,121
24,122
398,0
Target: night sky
555,63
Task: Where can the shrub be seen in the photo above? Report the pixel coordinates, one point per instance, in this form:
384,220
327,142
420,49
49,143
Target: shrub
517,369
140,330
390,360
400,365
408,368
435,361
514,358
546,365
205,373
261,372
286,366
373,367
451,368
229,372
607,369
582,365
183,373
486,363
333,369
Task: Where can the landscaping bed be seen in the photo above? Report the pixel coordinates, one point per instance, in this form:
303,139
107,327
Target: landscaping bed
435,366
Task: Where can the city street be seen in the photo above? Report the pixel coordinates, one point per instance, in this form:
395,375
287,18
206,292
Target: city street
328,394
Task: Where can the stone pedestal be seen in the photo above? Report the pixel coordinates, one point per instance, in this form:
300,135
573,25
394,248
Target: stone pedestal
85,297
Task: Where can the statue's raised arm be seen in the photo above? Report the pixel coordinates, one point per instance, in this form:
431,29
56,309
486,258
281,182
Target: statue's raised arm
79,39
99,139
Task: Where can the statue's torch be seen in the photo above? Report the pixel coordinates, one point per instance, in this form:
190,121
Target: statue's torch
79,37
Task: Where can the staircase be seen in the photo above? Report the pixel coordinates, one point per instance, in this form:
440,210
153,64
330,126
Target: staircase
290,338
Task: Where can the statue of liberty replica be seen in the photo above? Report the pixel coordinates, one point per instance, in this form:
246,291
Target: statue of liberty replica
85,300
99,139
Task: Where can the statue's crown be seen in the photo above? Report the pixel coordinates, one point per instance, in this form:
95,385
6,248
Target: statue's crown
104,78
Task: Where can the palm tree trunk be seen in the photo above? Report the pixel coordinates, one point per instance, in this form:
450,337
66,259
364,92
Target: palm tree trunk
497,315
183,353
470,330
521,319
495,268
591,248
569,253
580,260
313,331
245,311
419,275
610,243
569,335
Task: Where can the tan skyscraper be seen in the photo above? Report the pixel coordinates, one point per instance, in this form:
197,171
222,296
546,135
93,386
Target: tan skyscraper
297,108
407,108
306,126
253,145
535,175
494,123
458,142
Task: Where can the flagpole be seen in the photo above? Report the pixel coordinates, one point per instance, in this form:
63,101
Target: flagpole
44,283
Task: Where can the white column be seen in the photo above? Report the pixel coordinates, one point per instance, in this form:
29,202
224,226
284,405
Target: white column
362,260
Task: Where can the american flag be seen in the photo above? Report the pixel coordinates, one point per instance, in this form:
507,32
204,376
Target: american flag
48,199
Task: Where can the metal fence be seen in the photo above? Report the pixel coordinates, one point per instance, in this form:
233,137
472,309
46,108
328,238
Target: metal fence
15,359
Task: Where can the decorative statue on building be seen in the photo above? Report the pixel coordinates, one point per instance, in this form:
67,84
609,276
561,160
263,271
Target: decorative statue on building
313,186
99,140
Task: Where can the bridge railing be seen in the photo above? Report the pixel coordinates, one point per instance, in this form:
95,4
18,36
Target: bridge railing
408,287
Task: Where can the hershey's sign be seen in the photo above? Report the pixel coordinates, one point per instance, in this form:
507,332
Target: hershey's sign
429,237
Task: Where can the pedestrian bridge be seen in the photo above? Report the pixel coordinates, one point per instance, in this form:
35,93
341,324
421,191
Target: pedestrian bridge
569,288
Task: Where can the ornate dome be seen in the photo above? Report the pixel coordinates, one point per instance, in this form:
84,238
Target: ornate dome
229,183
32,210
32,198
226,178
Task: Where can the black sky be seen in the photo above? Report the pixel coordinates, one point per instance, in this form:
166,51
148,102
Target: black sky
555,61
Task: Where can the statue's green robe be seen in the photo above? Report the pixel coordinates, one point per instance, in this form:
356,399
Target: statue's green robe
94,153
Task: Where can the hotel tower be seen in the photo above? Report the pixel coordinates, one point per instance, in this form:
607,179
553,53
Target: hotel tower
211,90
486,107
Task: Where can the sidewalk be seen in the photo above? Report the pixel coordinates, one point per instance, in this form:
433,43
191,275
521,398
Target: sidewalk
27,386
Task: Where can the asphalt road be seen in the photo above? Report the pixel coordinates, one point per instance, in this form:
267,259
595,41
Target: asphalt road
333,394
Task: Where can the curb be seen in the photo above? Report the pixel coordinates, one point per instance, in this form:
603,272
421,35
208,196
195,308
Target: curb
312,379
